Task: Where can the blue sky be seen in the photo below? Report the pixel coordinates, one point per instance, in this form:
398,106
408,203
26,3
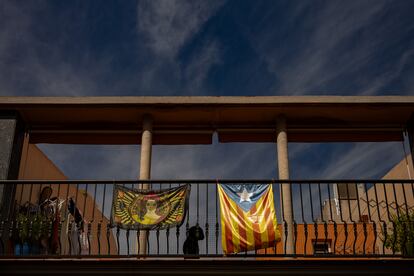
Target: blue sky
217,48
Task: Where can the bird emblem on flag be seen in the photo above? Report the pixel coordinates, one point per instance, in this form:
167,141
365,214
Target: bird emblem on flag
248,217
148,209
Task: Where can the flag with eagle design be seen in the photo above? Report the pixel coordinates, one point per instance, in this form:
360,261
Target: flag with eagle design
149,209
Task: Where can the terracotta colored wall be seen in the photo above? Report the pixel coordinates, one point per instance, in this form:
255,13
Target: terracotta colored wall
338,241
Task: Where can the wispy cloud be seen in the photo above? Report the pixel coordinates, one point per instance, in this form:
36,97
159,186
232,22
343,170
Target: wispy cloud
392,74
362,161
332,26
338,42
214,161
165,28
196,71
35,65
169,24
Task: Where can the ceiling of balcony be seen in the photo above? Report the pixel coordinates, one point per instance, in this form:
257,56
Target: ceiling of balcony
193,120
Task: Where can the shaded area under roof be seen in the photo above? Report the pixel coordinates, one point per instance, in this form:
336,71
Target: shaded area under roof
193,120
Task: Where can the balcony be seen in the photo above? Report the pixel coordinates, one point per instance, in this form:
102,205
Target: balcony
333,224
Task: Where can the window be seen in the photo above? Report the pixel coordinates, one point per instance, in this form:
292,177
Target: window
347,191
322,247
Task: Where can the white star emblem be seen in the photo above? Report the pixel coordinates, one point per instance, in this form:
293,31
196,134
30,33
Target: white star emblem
245,196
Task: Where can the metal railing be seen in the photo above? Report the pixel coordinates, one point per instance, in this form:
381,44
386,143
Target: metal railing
338,218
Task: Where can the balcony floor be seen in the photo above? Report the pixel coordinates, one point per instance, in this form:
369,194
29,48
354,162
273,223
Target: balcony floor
282,266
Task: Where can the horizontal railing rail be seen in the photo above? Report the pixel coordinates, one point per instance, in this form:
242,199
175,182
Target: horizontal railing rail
329,218
207,181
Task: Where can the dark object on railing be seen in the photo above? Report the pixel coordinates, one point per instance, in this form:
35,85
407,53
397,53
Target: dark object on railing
190,246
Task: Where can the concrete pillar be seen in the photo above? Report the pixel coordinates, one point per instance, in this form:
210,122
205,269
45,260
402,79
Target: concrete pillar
145,169
285,189
410,132
146,149
11,143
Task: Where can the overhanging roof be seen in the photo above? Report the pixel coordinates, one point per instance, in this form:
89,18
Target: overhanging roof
192,120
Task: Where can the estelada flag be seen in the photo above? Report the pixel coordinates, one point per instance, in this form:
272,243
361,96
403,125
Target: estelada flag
248,218
149,209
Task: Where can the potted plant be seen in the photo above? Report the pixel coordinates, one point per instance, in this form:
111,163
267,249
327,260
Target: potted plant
400,237
32,228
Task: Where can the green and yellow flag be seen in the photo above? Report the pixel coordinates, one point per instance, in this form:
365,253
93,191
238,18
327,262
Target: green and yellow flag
149,209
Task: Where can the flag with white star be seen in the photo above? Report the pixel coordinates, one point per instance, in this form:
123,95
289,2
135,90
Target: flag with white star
248,217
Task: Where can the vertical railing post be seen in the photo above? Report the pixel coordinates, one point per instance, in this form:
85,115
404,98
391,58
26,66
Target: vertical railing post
283,165
145,169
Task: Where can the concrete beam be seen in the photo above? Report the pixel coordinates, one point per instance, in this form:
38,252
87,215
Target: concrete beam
113,120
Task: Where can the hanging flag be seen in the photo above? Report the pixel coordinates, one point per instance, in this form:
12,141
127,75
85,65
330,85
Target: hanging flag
148,209
248,218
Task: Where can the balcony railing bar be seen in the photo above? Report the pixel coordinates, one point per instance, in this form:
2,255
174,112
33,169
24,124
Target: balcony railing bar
209,181
351,229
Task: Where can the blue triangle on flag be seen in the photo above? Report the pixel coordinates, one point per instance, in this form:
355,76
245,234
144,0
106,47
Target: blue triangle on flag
245,195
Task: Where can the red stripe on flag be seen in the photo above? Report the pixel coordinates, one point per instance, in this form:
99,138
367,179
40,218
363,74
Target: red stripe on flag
269,221
256,227
227,229
271,233
242,229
